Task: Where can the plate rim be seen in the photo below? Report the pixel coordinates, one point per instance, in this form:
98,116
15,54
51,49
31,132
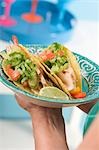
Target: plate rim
46,99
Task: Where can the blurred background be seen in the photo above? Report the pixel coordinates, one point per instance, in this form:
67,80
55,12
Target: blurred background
75,23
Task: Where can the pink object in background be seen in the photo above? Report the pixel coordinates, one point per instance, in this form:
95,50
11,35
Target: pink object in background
5,19
32,17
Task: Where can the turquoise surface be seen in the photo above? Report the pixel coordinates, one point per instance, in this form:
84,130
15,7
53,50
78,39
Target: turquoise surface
90,117
10,109
52,28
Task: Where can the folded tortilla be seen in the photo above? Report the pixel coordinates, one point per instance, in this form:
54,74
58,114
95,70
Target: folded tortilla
63,65
32,75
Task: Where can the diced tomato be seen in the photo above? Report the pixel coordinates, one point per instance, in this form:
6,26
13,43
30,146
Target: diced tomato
47,55
14,74
80,95
50,55
44,57
75,91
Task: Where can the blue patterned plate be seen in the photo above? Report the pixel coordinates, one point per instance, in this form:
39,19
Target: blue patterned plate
90,72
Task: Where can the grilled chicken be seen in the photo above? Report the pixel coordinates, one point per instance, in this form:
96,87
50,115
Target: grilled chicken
68,77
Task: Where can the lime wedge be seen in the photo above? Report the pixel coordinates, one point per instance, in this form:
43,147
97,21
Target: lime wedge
53,92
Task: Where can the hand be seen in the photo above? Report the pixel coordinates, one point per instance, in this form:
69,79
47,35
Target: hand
87,107
48,125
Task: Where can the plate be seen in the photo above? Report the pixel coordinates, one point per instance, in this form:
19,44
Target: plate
90,83
52,28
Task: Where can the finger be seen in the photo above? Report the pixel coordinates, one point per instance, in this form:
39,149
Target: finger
21,101
25,104
87,107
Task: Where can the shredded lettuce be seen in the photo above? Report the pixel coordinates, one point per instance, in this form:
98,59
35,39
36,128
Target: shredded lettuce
55,47
57,64
57,68
60,61
33,82
24,79
15,58
25,66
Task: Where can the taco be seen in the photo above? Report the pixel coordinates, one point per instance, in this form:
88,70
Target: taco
63,65
24,70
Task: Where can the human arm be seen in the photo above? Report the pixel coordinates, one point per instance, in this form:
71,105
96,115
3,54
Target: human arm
91,139
49,129
48,126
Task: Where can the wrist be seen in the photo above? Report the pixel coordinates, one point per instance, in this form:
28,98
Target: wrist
49,138
49,141
48,132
